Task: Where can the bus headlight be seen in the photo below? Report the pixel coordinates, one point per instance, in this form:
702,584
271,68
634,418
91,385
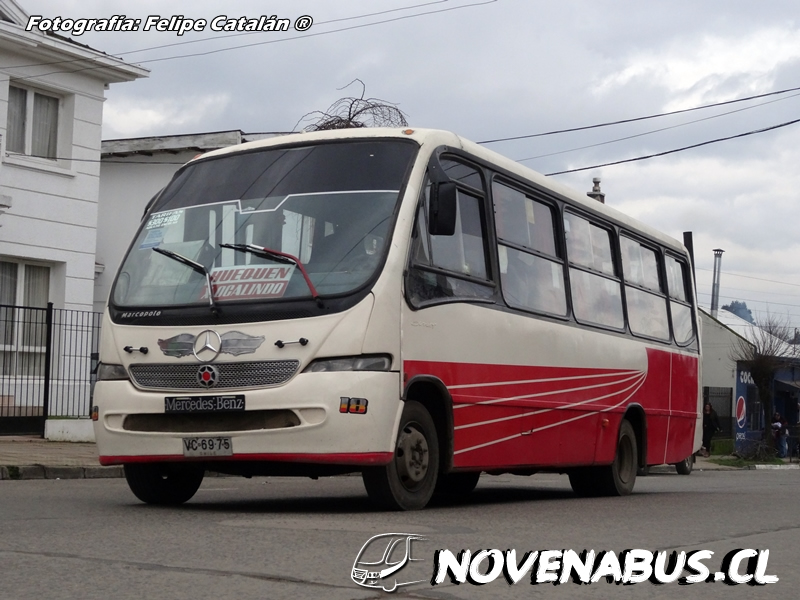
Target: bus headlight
365,362
111,372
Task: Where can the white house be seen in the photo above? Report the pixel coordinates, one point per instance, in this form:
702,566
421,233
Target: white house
51,109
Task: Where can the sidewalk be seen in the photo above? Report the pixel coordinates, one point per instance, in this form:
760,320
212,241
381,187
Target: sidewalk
23,457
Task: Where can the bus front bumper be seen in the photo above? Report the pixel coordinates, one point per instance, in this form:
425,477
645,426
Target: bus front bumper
344,418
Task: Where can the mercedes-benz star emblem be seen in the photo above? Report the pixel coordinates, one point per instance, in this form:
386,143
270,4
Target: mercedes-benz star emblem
207,345
207,376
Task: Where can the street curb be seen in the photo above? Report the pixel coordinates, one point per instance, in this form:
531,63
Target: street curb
773,467
63,472
28,472
103,472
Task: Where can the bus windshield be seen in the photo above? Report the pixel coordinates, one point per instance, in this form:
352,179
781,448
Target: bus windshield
330,206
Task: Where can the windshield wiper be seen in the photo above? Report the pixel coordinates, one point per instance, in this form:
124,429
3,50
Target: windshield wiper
281,257
195,266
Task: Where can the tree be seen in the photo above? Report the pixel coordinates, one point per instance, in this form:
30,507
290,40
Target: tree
765,352
740,310
351,112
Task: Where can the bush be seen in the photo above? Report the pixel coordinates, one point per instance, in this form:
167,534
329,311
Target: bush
722,446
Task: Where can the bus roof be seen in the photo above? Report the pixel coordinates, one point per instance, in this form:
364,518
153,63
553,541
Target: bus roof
435,138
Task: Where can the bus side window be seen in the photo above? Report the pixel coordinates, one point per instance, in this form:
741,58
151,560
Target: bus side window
680,303
596,290
647,306
531,272
453,266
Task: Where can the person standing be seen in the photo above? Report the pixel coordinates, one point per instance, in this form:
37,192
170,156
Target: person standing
779,431
710,427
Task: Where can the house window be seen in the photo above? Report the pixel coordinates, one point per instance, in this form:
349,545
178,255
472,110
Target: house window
22,330
32,123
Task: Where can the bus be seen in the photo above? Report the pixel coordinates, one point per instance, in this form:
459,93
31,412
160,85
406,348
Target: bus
401,303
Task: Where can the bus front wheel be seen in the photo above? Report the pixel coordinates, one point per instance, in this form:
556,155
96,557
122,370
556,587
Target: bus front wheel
164,483
407,483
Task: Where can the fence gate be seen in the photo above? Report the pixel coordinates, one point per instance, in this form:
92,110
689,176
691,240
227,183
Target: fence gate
47,357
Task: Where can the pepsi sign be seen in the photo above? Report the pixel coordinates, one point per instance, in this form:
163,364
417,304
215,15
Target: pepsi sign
741,412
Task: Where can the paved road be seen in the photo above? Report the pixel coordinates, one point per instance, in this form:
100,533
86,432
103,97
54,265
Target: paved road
297,538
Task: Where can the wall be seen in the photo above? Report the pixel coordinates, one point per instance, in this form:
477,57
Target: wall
719,370
126,186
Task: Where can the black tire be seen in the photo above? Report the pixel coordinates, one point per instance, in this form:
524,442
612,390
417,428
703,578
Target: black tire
407,483
685,466
167,484
457,484
643,471
584,481
619,477
616,479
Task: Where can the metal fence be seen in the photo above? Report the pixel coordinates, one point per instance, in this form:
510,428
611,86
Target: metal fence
721,400
47,359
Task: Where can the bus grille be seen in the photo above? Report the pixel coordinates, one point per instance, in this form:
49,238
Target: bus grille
231,375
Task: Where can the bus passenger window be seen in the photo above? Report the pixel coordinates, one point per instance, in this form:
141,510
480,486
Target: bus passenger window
596,292
531,273
647,306
679,304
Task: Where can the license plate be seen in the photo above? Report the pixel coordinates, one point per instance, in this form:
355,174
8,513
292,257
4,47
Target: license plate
203,404
207,446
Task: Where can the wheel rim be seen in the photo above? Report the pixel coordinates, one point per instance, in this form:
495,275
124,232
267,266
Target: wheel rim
411,456
626,461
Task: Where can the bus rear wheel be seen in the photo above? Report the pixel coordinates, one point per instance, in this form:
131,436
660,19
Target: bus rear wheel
685,466
616,479
166,484
407,483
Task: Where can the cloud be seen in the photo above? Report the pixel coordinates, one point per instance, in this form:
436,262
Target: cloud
134,117
711,69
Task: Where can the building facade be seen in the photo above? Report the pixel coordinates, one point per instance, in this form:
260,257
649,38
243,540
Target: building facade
51,107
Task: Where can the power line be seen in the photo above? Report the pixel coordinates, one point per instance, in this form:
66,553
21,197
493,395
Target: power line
89,160
706,143
286,39
723,296
630,137
751,277
220,37
771,292
655,116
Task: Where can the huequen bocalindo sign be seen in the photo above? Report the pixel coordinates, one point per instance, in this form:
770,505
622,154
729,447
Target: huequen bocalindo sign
245,283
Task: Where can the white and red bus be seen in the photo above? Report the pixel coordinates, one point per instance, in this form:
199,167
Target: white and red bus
403,303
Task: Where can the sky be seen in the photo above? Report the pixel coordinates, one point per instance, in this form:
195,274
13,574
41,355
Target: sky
504,68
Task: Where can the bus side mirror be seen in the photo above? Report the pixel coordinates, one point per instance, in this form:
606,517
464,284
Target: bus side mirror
442,209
